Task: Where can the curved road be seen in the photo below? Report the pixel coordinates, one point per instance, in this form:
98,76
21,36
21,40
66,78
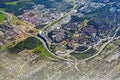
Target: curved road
46,44
104,45
9,17
62,17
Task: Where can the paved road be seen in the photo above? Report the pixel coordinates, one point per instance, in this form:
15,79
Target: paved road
104,45
54,22
51,24
59,19
47,47
9,17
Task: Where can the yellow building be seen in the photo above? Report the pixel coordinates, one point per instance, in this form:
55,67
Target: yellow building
75,35
85,23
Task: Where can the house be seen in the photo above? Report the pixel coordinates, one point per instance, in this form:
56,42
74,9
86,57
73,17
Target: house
63,43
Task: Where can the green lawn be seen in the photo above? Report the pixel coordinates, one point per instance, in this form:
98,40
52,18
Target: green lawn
35,45
2,9
29,43
109,47
43,52
11,3
2,17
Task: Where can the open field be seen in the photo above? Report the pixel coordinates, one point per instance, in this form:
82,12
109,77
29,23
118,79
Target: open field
11,3
2,17
33,45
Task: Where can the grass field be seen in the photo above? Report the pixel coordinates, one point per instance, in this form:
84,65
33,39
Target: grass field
43,52
11,3
2,17
33,45
2,9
